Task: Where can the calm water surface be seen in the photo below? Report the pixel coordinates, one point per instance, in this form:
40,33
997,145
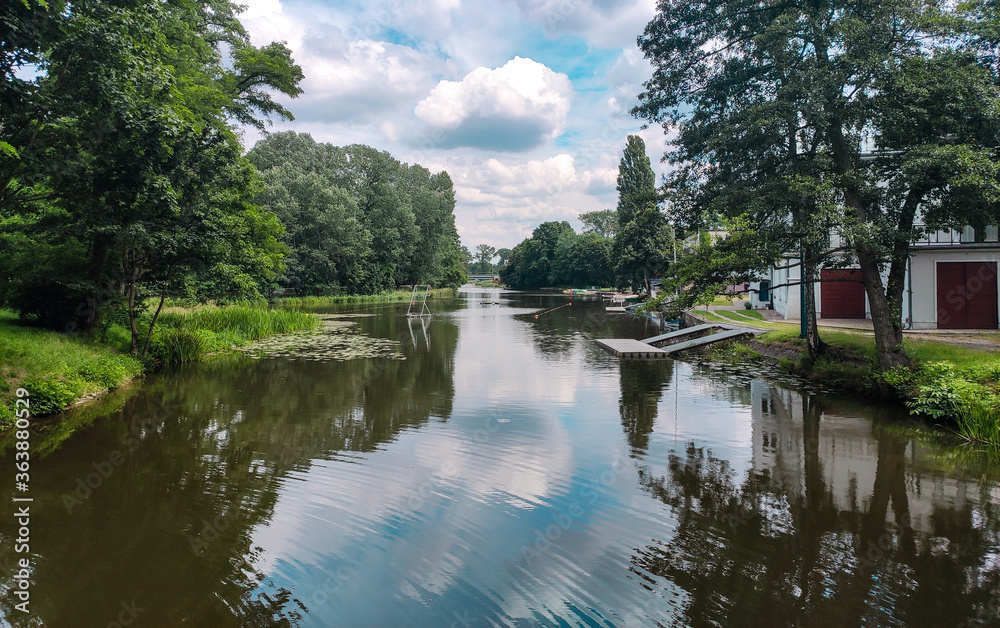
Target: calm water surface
507,472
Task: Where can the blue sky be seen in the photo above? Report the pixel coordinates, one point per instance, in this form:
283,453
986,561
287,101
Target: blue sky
524,102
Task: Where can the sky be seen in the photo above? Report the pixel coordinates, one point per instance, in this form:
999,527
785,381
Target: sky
523,102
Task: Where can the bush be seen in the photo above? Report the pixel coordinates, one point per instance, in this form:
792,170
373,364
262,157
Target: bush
49,395
979,420
176,346
747,305
734,353
6,416
110,371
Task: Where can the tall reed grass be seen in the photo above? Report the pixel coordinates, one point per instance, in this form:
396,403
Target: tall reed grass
979,421
181,337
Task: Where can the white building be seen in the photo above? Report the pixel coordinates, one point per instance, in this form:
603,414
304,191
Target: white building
951,283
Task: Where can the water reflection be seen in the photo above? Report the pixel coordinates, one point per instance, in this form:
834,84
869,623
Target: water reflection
507,472
158,501
642,387
831,524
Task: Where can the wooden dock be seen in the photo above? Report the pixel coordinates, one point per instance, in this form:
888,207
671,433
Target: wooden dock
630,349
680,334
675,341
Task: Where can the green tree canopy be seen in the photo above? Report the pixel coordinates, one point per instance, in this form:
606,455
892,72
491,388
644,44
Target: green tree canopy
778,108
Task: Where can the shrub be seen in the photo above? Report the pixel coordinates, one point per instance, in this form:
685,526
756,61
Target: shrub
174,345
6,416
747,305
110,371
49,395
734,353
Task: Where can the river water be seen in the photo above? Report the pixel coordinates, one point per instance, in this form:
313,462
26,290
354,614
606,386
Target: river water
498,470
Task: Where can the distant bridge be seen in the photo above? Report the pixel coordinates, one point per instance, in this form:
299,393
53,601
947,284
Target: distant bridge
475,278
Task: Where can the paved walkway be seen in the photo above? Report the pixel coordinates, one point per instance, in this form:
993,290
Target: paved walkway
974,338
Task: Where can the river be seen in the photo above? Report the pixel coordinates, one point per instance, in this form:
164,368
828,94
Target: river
494,469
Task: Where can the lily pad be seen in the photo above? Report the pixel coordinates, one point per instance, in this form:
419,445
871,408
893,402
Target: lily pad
335,341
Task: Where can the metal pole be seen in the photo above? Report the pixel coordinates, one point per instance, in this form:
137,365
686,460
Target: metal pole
803,328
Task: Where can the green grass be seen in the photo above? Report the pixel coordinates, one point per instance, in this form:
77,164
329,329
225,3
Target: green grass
744,316
55,368
948,383
58,369
190,336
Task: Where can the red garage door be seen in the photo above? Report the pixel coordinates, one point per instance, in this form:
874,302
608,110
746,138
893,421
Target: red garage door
967,295
842,299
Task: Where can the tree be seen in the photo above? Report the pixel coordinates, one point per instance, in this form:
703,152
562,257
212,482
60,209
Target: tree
583,260
603,222
484,259
792,91
364,222
643,235
502,256
530,264
328,246
133,167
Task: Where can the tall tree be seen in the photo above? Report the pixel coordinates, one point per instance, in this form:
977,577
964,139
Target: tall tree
530,264
603,222
800,90
484,258
643,235
134,168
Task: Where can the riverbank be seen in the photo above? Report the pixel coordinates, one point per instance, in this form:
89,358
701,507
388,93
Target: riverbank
395,296
947,383
60,370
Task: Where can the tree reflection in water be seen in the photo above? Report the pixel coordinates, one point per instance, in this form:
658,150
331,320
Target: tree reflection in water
828,527
214,444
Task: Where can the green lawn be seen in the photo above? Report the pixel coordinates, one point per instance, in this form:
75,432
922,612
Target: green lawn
55,368
741,316
58,369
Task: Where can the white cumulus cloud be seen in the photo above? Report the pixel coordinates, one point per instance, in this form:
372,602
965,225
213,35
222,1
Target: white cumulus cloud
515,107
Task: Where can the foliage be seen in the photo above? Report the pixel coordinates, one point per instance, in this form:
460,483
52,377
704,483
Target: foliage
58,367
484,259
555,255
774,109
128,180
642,237
733,353
603,222
356,219
50,394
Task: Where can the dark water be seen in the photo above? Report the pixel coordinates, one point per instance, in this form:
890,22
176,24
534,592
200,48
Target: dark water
507,472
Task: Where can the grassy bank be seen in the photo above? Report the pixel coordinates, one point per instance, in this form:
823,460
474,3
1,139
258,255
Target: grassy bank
395,296
56,369
949,384
60,369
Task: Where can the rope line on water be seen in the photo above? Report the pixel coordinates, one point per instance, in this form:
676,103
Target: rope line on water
554,309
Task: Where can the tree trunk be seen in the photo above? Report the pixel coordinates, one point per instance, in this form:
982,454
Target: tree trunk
95,272
888,329
152,324
809,275
900,256
134,348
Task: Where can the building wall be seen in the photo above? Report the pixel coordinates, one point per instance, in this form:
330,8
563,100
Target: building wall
923,279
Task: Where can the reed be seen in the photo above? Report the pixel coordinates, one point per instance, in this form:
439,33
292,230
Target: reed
190,336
